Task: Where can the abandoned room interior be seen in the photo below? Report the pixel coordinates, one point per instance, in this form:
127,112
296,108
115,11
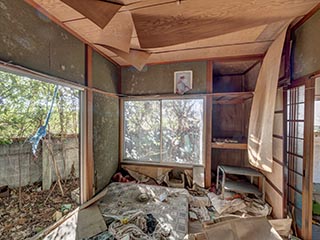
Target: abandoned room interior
159,119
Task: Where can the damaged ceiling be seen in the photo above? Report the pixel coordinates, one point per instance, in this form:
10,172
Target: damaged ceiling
139,32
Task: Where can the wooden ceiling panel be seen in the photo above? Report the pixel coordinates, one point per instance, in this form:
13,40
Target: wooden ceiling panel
99,12
244,36
116,34
207,53
171,24
60,10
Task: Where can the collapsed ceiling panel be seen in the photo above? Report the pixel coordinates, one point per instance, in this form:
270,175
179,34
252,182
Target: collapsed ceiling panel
169,30
116,34
99,12
169,24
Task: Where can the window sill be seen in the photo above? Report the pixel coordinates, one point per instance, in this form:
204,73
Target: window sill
158,164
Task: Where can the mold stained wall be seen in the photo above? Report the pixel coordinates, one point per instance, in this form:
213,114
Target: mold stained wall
159,79
31,40
306,48
105,121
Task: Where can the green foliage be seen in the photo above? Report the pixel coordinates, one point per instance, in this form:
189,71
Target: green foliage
24,104
167,130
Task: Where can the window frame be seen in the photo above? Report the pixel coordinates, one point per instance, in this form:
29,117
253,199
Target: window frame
162,163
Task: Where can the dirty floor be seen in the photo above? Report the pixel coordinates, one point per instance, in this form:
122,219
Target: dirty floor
34,215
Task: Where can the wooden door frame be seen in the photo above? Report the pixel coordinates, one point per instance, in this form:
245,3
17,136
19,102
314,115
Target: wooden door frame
307,184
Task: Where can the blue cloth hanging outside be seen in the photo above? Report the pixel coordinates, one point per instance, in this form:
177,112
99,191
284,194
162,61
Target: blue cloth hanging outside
42,131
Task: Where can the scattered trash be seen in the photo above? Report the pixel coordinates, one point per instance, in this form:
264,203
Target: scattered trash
57,216
66,208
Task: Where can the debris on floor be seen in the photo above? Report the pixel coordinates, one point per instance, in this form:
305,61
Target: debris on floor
35,214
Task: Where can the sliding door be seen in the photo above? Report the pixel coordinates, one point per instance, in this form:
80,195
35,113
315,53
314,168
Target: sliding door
299,152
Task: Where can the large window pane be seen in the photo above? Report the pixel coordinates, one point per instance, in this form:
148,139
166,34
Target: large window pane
182,127
142,130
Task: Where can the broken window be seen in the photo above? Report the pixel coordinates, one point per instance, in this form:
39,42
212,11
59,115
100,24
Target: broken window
164,131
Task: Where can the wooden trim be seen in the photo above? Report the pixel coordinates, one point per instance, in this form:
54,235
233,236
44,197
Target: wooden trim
155,164
278,161
65,27
121,131
277,136
208,124
217,59
240,146
306,17
89,161
274,187
307,187
278,112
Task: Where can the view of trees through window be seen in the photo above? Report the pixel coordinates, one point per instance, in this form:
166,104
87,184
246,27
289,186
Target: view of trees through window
24,104
164,131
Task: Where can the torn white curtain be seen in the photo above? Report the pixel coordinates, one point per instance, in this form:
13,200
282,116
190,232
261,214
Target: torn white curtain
263,106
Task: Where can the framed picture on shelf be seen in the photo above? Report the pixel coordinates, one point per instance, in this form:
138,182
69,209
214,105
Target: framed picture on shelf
182,82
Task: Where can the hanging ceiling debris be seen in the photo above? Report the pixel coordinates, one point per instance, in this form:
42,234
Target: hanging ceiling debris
154,31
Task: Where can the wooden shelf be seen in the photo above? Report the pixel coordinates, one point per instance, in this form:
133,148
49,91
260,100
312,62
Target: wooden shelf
230,97
241,187
229,145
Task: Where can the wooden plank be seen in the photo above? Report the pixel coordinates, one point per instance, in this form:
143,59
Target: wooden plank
308,151
278,124
276,177
174,24
116,34
277,146
243,36
90,222
230,52
208,124
275,200
89,160
229,145
99,12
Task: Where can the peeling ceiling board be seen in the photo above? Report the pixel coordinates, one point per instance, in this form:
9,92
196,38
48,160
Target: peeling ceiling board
244,36
236,67
171,24
214,52
272,31
123,2
60,10
97,11
116,34
136,58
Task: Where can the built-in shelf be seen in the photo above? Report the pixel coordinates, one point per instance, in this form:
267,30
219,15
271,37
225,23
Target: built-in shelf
241,187
229,145
231,97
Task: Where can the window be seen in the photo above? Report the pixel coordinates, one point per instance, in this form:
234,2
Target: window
164,131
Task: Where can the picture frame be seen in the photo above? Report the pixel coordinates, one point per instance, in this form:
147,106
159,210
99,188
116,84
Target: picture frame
182,81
